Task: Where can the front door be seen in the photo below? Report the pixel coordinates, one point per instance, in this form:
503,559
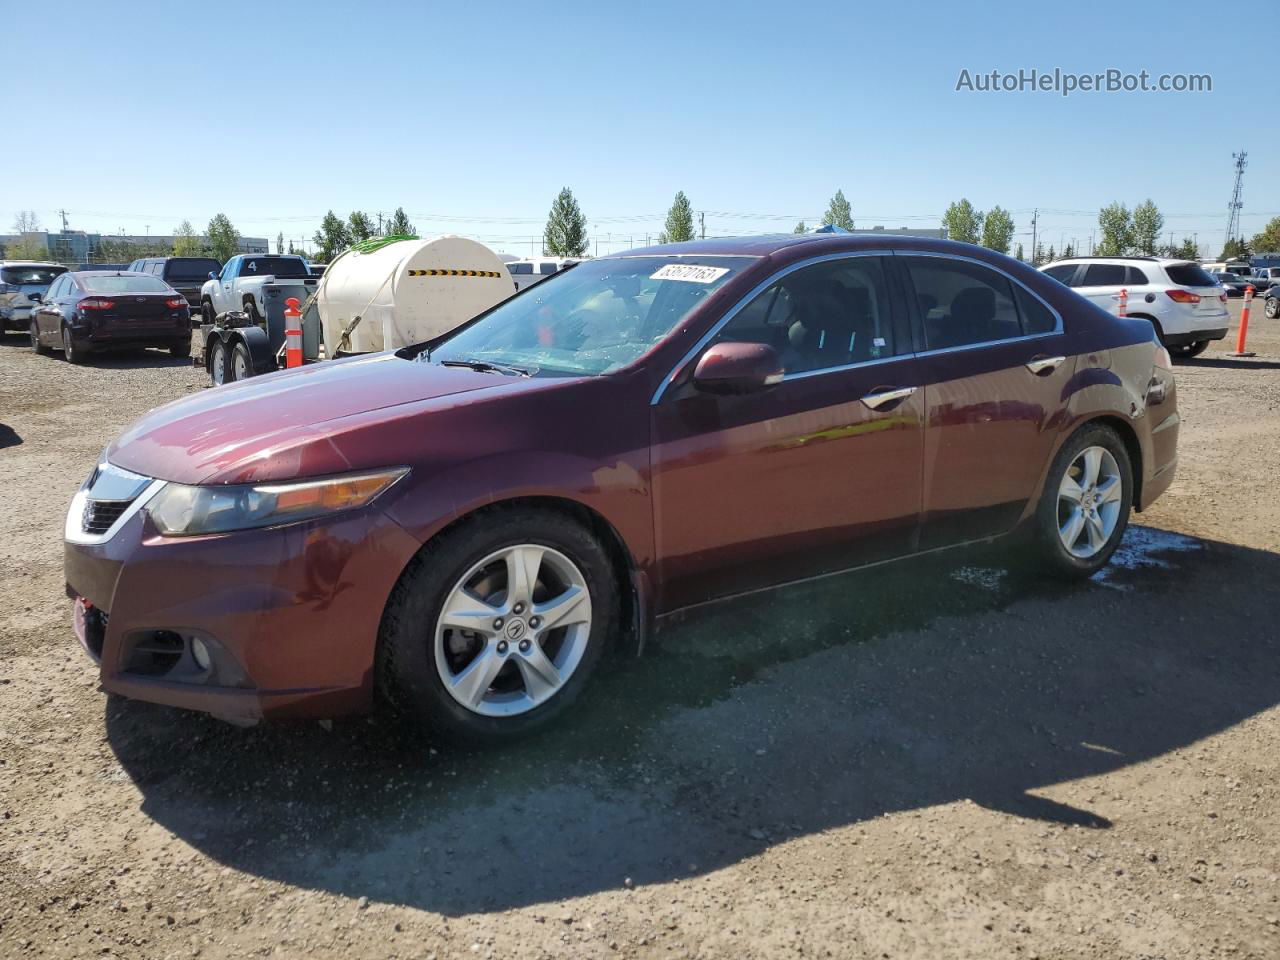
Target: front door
818,473
996,365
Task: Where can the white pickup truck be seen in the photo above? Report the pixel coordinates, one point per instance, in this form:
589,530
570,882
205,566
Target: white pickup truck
239,285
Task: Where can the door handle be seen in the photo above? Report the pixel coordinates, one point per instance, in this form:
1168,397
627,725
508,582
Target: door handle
877,400
1042,366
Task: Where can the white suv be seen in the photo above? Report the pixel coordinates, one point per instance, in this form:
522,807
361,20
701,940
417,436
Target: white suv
1186,305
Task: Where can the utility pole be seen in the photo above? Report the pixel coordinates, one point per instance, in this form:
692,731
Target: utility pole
1035,251
63,214
702,221
1233,208
379,223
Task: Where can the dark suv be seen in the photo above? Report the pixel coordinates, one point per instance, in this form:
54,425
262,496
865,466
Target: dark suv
184,274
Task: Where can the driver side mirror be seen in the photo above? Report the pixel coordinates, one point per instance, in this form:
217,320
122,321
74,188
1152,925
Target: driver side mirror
733,368
212,275
35,298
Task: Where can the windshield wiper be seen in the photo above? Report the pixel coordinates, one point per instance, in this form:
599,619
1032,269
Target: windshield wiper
484,366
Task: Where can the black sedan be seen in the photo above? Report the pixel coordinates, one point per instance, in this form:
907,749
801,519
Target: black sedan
94,310
1233,283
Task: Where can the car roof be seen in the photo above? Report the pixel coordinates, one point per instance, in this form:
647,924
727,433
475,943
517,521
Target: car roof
110,273
815,243
28,263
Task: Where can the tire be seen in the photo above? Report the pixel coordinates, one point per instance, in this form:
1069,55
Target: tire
219,369
1189,350
420,656
241,363
36,345
181,349
1272,308
72,353
1095,541
251,308
206,311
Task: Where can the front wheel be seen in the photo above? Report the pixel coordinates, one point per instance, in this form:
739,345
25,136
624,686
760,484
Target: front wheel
36,344
1084,509
494,630
206,311
1272,308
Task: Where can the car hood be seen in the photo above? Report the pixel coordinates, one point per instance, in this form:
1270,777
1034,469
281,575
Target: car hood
287,424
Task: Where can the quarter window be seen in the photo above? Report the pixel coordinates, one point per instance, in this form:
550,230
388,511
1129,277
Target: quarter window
1104,275
1036,317
962,303
1135,277
827,315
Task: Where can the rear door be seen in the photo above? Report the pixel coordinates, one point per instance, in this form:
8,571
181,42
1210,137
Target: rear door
995,364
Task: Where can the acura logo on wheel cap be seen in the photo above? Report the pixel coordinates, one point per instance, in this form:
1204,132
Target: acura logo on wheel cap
515,629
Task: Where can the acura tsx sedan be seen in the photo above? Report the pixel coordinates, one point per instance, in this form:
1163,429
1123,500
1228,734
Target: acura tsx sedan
467,528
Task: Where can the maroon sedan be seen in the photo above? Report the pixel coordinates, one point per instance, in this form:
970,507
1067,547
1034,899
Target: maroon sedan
467,527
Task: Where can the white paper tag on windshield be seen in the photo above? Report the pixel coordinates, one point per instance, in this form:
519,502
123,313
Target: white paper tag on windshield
690,273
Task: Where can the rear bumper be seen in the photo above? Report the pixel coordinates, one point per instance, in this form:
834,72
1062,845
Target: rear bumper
1194,336
289,616
133,332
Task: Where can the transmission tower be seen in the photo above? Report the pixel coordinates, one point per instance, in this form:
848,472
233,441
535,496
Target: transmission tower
1233,208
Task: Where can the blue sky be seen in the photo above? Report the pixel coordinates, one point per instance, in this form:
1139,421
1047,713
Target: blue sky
479,113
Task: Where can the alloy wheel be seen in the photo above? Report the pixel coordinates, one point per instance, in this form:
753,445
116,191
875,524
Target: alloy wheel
1089,500
512,630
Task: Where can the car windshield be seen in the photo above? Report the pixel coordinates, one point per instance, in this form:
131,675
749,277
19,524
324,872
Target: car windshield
196,268
591,319
285,268
41,276
123,283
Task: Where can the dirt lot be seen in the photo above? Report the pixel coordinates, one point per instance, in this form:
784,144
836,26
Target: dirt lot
947,759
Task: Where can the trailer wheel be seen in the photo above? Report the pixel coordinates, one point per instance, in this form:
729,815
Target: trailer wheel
241,364
219,372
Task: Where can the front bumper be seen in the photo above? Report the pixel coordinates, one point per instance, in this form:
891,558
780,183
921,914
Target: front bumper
288,616
17,318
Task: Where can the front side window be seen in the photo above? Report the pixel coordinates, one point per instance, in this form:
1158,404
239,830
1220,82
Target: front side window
599,316
962,303
1103,275
828,315
1062,273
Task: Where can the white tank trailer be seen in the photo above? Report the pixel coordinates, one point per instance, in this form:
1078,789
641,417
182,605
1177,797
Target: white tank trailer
407,292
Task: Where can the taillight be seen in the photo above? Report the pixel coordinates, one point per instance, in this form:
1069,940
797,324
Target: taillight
174,303
1182,296
96,303
1223,296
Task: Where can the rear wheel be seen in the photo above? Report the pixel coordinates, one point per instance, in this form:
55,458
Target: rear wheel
73,353
219,369
181,349
1084,509
241,364
36,344
495,629
1272,308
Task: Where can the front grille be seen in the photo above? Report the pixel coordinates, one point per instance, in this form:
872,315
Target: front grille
99,515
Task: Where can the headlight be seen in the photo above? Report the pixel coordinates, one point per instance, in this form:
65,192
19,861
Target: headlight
179,510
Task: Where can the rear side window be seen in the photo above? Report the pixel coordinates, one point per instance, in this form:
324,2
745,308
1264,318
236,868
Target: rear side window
1135,277
1104,275
962,303
520,269
1062,273
548,268
1188,275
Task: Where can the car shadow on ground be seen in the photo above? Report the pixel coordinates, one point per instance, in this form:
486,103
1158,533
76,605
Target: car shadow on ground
788,714
1229,363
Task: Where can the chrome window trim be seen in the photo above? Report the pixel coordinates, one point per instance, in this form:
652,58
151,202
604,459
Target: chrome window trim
73,531
985,343
751,295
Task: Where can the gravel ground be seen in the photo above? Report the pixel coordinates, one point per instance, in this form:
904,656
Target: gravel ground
947,759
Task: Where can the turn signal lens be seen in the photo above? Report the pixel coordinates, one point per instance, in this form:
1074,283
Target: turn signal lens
180,510
1183,296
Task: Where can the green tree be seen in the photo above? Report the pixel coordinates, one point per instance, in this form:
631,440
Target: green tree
331,239
223,238
566,232
1051,255
1147,224
399,225
1268,241
280,243
1187,250
1237,249
962,222
839,213
1018,253
359,226
997,230
800,228
1068,252
1115,223
679,225
291,247
185,241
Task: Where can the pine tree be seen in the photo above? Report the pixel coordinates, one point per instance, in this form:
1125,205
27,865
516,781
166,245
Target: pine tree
290,247
566,231
1051,255
679,226
800,228
839,213
1017,253
1235,249
399,225
962,222
331,238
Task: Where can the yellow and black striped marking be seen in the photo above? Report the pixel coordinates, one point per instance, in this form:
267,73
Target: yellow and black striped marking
454,273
